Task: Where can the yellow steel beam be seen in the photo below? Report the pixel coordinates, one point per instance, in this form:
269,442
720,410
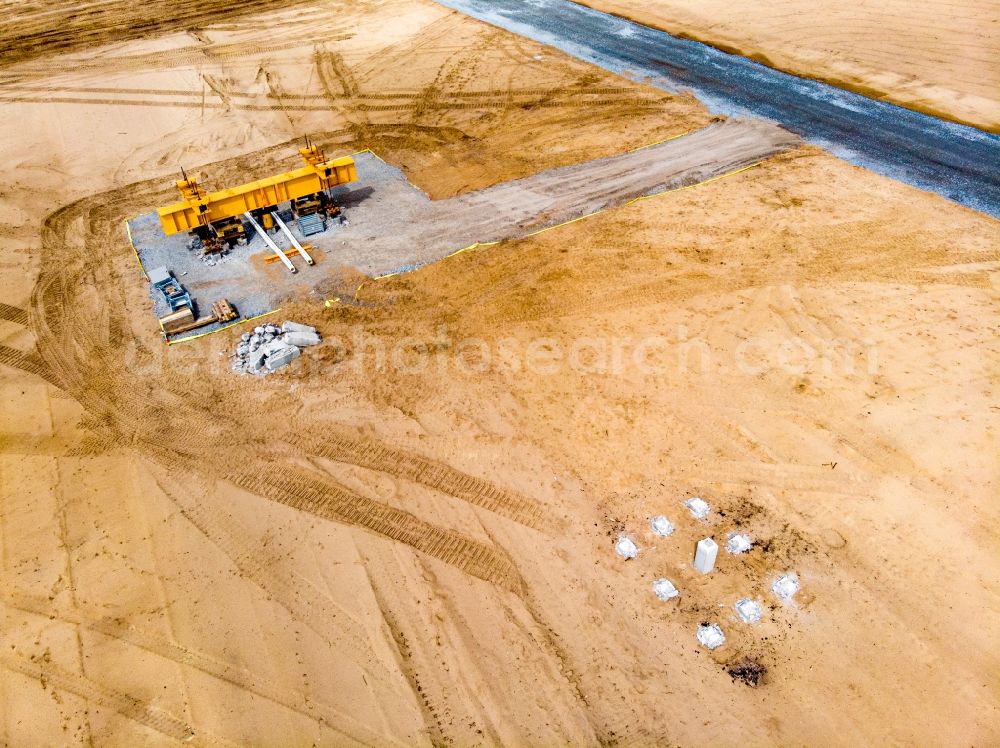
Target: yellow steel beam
199,209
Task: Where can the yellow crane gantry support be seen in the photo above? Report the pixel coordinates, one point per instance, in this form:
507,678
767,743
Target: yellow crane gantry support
198,208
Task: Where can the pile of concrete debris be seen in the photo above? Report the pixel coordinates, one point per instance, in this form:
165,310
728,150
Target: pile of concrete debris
270,347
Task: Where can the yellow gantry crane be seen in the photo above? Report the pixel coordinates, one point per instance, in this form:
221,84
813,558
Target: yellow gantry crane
214,217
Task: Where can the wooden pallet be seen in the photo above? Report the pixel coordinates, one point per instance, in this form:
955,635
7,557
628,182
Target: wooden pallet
223,311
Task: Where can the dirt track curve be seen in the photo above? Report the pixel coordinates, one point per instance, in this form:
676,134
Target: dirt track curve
82,359
352,555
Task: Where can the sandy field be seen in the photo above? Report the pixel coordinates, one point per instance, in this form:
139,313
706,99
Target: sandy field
942,58
407,537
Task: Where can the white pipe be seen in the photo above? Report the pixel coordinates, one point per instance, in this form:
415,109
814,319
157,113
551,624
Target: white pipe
292,239
271,244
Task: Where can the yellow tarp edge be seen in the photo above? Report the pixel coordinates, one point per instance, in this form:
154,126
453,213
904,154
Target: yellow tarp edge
476,245
128,231
659,142
567,223
698,184
226,327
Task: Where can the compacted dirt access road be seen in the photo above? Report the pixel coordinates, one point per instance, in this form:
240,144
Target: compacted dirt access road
406,229
367,549
571,191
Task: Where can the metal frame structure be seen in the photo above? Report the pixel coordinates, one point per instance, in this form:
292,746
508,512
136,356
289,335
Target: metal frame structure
197,211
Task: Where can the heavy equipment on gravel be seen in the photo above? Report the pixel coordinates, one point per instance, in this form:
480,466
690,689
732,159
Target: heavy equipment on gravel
216,218
181,316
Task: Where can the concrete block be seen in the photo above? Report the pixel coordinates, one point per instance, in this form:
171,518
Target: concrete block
704,555
750,611
785,587
273,346
282,357
710,636
158,275
626,547
256,359
301,339
698,507
661,526
737,543
296,327
664,589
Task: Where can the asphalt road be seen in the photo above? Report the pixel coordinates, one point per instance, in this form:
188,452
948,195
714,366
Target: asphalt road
959,162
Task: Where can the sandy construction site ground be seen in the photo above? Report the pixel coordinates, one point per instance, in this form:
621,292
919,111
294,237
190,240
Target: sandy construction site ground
936,57
407,537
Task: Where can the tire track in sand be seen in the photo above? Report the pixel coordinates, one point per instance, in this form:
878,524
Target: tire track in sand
310,492
14,314
27,362
83,359
117,628
337,503
375,455
270,573
137,710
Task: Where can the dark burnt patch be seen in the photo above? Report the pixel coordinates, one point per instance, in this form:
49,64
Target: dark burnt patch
747,671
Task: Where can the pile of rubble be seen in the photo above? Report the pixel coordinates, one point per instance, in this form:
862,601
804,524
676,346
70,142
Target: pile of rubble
270,347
